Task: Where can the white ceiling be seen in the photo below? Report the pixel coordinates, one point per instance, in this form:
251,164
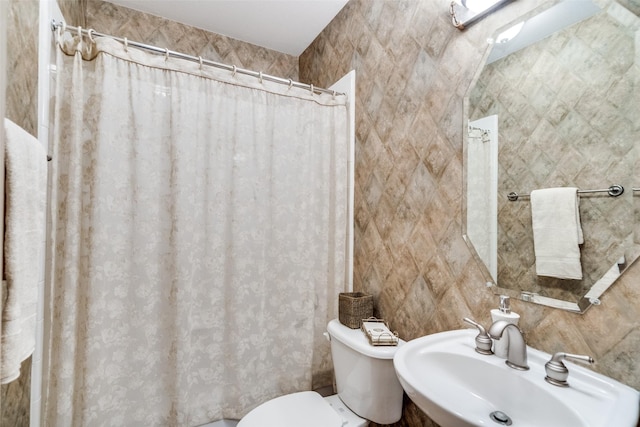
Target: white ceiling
288,26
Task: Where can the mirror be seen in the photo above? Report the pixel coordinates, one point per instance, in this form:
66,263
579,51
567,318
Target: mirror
554,104
466,12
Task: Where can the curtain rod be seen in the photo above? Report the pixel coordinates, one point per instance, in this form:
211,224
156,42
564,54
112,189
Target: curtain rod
257,74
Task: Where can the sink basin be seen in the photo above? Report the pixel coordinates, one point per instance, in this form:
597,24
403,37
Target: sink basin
457,387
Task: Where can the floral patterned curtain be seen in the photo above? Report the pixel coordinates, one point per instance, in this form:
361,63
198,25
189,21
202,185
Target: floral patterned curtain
198,239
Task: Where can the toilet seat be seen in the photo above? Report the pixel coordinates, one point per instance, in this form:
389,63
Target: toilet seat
306,408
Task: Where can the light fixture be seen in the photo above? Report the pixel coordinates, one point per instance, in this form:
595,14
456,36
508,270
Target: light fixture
466,12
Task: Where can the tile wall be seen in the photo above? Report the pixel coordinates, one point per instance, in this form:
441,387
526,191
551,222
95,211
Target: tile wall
22,64
111,19
413,70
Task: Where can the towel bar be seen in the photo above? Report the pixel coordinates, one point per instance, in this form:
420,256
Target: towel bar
613,191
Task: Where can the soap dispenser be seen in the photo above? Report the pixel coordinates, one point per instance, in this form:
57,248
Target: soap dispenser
503,312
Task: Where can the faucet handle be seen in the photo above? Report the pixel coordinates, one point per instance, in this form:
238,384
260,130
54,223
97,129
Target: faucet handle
557,372
483,341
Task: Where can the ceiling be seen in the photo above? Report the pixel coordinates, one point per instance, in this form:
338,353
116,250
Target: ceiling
287,26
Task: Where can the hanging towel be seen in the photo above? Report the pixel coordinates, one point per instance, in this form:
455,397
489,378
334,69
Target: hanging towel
25,204
557,233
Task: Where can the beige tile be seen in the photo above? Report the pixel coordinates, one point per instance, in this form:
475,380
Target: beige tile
437,64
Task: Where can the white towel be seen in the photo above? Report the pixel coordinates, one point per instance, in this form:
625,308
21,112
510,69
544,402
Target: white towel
557,232
25,204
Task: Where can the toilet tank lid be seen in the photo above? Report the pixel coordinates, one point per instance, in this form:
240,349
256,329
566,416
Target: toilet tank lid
356,339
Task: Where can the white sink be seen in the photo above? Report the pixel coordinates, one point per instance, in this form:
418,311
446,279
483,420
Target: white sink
457,387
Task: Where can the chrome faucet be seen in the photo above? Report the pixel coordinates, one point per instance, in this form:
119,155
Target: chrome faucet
483,342
557,372
517,349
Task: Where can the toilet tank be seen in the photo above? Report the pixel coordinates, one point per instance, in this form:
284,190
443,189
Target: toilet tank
365,377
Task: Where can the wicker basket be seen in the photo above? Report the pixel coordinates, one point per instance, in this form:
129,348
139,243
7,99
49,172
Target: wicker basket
353,307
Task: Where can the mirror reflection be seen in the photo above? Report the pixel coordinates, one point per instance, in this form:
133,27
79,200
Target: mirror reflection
555,105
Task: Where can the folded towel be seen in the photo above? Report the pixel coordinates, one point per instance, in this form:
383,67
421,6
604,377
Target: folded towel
25,204
557,233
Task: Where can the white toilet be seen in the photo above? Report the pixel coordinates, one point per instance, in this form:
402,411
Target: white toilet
368,389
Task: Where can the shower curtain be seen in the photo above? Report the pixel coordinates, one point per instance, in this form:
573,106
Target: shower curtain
198,239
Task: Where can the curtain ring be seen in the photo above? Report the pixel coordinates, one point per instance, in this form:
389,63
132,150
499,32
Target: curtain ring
126,45
166,53
79,45
200,58
260,76
311,89
62,28
90,33
290,83
233,73
334,94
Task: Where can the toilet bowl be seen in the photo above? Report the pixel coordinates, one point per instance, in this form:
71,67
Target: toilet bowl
306,408
368,389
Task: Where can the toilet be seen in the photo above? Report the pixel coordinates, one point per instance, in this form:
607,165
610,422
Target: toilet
368,389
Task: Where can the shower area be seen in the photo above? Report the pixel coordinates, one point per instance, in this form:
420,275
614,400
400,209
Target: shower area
199,234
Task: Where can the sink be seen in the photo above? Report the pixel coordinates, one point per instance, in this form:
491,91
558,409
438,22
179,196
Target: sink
457,387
